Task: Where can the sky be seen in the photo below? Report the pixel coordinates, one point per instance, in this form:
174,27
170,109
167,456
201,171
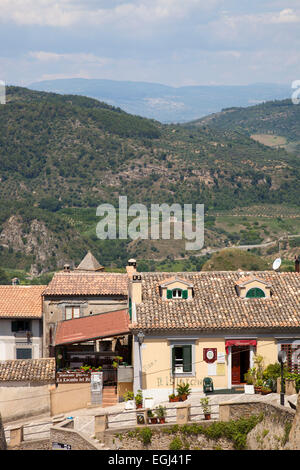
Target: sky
174,42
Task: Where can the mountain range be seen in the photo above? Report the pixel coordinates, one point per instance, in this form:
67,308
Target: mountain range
164,103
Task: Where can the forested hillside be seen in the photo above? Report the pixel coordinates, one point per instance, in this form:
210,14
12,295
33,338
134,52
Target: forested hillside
63,155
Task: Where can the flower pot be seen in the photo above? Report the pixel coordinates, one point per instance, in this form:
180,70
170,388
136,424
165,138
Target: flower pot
257,389
173,400
162,420
207,416
182,397
249,389
139,405
129,405
153,420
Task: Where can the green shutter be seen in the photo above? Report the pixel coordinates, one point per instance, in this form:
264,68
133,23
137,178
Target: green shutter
187,358
130,308
255,293
173,359
169,294
185,294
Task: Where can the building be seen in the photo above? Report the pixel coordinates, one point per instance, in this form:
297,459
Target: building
188,326
86,317
21,325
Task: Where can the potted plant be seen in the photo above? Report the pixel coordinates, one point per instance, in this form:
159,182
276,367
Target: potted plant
183,391
116,361
152,418
129,400
265,390
139,399
173,398
160,412
258,385
206,407
249,379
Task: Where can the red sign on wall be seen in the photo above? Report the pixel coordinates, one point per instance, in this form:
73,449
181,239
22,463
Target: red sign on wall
209,355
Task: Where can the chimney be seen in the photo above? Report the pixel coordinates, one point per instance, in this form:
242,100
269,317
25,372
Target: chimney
66,268
136,289
15,281
131,267
297,264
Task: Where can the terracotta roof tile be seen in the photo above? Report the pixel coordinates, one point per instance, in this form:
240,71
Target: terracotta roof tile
28,370
79,283
102,325
216,304
21,301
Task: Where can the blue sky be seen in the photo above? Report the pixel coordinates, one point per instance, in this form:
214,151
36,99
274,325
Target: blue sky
175,42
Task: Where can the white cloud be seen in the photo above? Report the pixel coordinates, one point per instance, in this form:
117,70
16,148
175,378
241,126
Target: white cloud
63,13
44,56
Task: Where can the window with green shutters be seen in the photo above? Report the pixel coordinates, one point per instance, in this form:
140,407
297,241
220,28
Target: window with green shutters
255,293
182,357
177,293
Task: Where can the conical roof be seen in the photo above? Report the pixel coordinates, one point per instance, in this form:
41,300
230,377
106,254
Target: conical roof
89,263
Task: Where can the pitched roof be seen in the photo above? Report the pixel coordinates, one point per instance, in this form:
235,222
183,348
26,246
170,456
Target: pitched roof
248,279
78,283
216,305
28,370
21,301
89,263
91,327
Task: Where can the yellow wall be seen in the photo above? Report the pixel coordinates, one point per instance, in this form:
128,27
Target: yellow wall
156,362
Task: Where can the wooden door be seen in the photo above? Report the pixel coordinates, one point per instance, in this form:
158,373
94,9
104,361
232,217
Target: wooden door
235,365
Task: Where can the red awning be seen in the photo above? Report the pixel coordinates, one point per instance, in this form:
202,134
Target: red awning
92,327
239,342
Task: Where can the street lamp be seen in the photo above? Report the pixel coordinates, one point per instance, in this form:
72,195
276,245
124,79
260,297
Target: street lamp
282,360
140,337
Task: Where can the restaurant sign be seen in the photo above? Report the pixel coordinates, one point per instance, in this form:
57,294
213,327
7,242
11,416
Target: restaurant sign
73,377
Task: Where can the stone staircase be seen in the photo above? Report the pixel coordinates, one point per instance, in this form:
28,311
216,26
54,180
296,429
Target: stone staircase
109,396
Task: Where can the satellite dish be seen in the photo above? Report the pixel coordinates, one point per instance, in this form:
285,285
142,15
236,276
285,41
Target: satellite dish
277,263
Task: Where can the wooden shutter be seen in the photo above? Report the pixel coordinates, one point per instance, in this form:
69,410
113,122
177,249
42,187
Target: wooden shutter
185,294
169,294
187,358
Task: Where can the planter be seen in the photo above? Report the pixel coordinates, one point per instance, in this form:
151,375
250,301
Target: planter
183,397
257,389
139,405
162,420
249,389
173,400
129,405
207,416
265,392
153,420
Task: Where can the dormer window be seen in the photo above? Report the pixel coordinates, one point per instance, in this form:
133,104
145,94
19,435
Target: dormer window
255,293
251,287
176,288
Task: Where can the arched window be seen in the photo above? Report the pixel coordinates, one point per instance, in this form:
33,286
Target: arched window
255,293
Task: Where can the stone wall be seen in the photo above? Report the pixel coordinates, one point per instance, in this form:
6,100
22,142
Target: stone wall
73,438
272,433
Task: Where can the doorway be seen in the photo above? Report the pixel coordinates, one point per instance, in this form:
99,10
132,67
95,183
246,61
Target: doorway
240,363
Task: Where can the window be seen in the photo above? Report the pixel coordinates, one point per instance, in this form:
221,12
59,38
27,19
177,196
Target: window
255,293
182,359
292,357
23,353
72,312
20,326
177,294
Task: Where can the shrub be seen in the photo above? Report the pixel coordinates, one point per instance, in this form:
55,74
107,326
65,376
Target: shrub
145,436
176,444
